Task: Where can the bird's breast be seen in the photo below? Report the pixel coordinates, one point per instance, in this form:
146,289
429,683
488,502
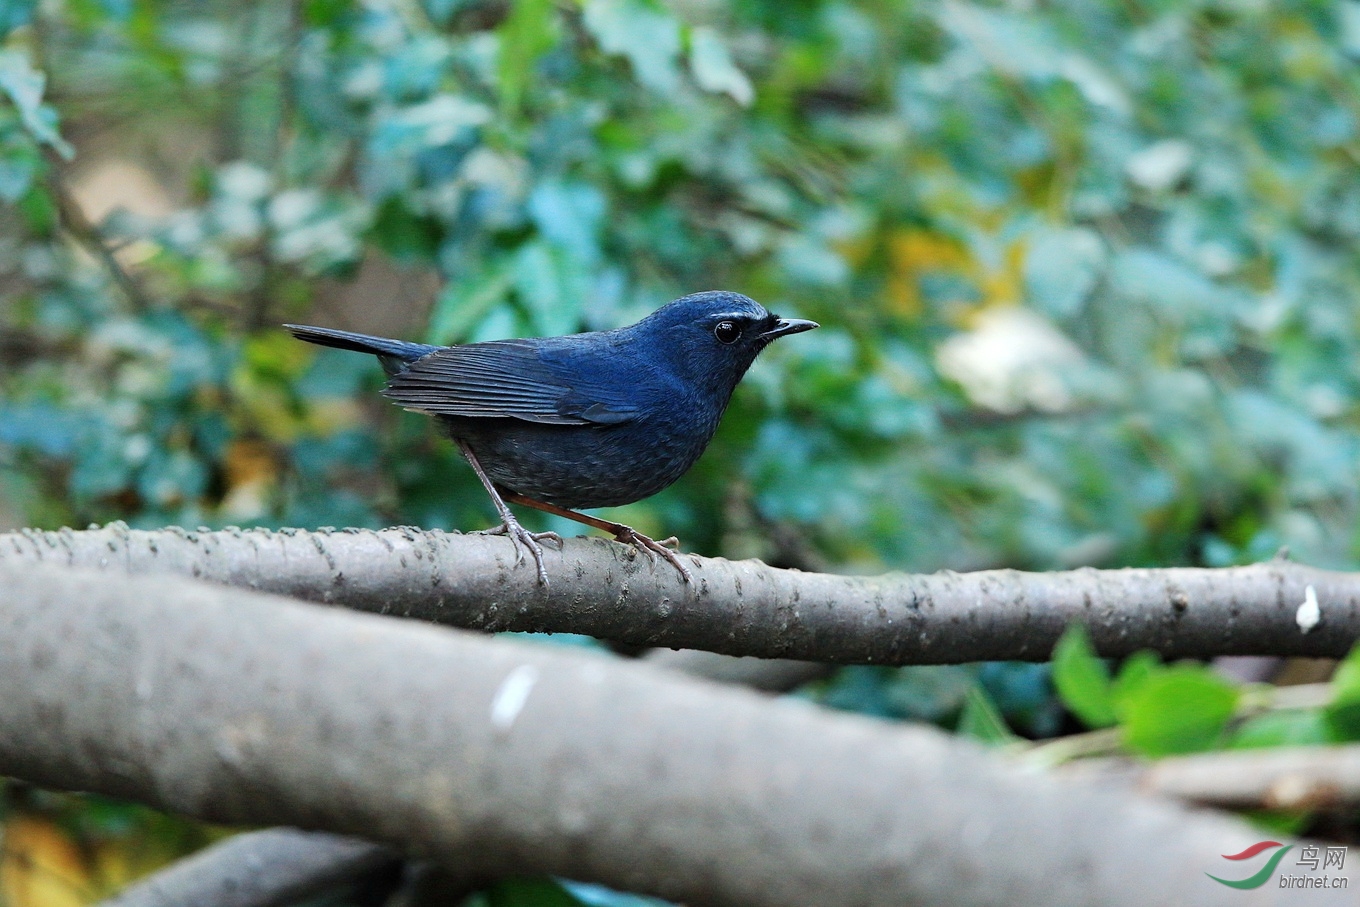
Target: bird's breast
584,466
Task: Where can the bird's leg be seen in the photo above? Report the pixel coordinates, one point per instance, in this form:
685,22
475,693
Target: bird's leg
509,525
626,534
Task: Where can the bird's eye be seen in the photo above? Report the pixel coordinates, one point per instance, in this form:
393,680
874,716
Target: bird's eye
726,331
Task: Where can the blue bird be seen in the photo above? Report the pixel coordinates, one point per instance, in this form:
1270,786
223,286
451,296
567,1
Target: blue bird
589,420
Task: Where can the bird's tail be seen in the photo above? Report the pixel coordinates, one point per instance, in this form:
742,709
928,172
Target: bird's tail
394,355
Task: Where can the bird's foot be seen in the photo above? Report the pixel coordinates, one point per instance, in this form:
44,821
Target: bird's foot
630,536
523,538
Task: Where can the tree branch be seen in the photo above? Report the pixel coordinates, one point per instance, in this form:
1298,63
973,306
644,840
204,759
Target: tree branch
500,757
607,590
270,868
74,221
276,867
1315,777
770,675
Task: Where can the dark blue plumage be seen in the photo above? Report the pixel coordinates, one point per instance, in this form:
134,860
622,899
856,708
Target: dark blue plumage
589,420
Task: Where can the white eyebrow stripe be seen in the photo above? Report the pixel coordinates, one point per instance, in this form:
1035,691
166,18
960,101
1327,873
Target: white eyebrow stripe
736,316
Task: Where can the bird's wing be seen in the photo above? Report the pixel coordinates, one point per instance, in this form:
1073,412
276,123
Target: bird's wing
507,379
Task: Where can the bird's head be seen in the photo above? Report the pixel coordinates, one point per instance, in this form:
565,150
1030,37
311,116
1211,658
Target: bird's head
717,335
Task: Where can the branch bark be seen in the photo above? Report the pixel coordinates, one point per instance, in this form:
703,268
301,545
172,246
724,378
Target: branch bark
501,757
1324,777
769,675
276,867
607,590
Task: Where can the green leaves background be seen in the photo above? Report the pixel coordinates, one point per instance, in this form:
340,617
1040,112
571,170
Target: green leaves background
1169,192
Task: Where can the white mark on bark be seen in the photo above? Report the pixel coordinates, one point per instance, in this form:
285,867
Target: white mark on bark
512,695
1309,614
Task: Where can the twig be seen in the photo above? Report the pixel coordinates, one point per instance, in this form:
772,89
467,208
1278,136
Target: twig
1326,778
1287,778
1062,750
74,221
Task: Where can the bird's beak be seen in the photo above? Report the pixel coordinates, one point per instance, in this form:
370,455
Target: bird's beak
785,326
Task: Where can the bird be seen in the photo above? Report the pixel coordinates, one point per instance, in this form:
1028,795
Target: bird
596,419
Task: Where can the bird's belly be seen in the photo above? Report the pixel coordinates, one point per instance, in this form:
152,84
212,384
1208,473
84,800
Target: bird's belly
580,466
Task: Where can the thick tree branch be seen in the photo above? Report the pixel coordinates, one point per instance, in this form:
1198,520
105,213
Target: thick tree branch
269,868
607,590
501,757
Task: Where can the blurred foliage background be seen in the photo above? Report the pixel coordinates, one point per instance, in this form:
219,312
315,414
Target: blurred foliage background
1086,272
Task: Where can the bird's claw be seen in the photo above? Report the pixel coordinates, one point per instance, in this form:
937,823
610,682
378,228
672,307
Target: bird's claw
630,536
523,538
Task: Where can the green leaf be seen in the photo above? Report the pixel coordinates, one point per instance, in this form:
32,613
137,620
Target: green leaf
1168,284
1343,713
552,286
1133,673
914,692
1280,821
713,68
599,896
982,720
648,36
325,13
1062,267
45,429
17,169
569,215
1082,679
463,304
527,34
1288,727
39,209
529,893
441,120
24,86
404,235
1181,709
